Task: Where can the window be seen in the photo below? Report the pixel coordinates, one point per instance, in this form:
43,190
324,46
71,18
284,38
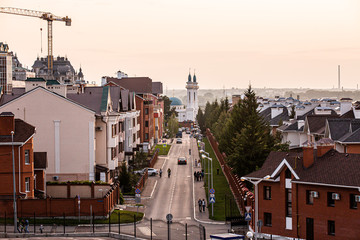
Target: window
146,136
287,173
146,111
27,184
288,203
113,153
267,193
134,122
113,130
309,198
27,157
267,219
331,228
134,137
146,123
194,97
353,203
121,128
330,200
121,147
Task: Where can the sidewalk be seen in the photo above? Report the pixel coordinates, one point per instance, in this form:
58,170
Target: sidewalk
199,189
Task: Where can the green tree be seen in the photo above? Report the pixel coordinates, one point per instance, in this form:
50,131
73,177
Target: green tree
167,110
201,120
125,179
293,113
173,126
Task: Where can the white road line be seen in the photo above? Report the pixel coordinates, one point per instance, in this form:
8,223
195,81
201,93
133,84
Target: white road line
153,189
146,231
162,167
172,192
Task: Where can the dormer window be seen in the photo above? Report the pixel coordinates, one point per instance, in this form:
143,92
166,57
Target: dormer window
287,173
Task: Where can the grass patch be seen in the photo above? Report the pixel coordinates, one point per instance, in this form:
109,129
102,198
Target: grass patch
125,217
163,150
221,186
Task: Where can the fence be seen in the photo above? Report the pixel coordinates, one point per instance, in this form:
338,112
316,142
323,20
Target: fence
141,183
154,158
146,229
55,207
238,188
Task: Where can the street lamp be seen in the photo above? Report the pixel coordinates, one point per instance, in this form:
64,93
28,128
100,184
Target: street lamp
14,184
255,183
212,179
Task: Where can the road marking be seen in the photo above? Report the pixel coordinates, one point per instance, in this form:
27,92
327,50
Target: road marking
188,218
188,176
146,231
172,191
153,189
162,167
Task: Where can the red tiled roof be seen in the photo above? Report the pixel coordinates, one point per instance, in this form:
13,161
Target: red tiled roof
23,131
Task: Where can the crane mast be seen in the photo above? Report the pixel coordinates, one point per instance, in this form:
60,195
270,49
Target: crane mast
49,17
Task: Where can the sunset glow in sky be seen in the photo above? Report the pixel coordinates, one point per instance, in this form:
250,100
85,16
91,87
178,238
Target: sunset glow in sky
271,43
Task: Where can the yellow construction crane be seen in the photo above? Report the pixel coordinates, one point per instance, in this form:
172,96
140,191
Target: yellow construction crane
49,17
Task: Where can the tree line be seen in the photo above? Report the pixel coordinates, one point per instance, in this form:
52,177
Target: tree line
243,135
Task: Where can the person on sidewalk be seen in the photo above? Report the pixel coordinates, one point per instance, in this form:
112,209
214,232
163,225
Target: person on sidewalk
169,172
160,172
200,203
203,205
26,226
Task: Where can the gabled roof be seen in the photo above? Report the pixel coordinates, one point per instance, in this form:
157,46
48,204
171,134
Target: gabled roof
134,84
316,123
23,131
333,168
91,98
284,116
40,88
348,114
338,127
351,137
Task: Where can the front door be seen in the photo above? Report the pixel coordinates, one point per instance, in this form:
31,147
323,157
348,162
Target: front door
309,229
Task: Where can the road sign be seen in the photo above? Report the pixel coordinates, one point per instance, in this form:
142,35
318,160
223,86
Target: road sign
212,200
247,216
138,191
164,145
212,195
169,217
247,208
212,191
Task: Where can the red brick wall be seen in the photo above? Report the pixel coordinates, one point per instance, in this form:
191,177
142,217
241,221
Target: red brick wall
6,170
40,179
347,221
52,207
7,124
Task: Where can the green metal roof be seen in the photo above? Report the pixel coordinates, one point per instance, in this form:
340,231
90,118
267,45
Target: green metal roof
104,99
52,82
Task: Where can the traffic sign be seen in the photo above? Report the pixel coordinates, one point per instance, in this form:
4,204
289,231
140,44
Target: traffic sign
247,208
169,217
137,199
138,191
212,200
164,145
212,195
212,191
247,216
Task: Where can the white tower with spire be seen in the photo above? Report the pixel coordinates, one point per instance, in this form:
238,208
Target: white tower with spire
192,105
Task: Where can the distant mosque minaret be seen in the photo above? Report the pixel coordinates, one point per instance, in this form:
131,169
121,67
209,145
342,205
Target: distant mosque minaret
192,101
188,113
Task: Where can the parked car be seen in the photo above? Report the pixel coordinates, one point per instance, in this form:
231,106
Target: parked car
182,160
179,141
151,171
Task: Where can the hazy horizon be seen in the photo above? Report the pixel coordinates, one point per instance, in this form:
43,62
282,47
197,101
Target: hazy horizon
272,44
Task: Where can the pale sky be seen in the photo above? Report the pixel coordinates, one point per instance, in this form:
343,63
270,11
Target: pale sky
270,43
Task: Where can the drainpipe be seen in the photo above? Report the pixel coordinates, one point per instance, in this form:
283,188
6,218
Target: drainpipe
20,174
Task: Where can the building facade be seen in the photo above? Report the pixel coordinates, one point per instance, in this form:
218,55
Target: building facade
192,105
5,69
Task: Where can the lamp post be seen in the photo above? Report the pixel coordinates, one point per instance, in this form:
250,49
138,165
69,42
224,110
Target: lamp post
212,180
255,183
14,184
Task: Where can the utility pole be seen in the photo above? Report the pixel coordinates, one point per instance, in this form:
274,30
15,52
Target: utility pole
14,184
339,77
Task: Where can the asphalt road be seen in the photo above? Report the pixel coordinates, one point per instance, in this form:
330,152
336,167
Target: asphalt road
173,195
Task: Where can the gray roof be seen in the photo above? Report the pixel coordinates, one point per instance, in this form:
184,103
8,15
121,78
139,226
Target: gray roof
91,98
342,129
157,88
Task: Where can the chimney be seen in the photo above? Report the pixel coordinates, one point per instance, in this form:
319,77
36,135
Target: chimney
308,156
7,123
322,149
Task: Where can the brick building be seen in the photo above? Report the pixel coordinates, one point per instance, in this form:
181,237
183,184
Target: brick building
311,195
23,156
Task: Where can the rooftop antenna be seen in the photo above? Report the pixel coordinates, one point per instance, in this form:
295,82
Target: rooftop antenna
339,77
41,39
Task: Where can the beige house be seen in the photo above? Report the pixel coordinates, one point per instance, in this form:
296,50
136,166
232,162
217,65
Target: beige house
64,129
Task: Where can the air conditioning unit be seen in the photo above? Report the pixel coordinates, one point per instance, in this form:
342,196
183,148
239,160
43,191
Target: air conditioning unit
98,128
357,198
336,196
314,194
56,178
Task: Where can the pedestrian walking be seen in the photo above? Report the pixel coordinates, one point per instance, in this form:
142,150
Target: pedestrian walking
26,226
203,205
200,177
18,225
194,175
202,174
160,172
200,204
22,225
41,228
